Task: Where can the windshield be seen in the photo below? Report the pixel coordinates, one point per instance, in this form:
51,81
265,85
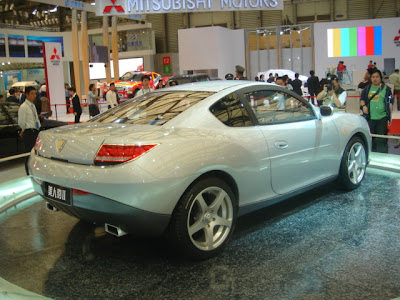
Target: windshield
152,109
131,76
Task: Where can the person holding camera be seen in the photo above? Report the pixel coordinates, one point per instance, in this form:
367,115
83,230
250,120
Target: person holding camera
332,93
376,102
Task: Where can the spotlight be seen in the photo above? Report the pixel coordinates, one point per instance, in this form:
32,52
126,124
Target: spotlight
12,6
9,63
3,63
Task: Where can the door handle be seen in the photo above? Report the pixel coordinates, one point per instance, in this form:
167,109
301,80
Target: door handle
281,145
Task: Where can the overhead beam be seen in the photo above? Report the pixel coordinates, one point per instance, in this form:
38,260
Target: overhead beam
70,4
84,7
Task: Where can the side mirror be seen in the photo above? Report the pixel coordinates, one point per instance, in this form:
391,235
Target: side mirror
326,110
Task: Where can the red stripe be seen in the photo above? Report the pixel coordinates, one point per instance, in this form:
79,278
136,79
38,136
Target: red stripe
45,73
369,39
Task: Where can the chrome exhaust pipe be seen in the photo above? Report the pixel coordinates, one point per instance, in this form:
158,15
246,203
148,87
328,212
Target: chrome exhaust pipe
51,207
114,230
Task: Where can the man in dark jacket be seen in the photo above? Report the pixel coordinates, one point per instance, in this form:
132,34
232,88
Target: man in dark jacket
313,86
76,104
376,101
296,84
12,97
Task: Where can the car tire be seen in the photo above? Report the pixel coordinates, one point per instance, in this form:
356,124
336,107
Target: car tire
204,219
353,164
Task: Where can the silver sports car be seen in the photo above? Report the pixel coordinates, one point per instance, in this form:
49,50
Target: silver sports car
186,161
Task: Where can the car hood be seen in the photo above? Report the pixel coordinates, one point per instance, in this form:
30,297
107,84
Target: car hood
121,82
80,143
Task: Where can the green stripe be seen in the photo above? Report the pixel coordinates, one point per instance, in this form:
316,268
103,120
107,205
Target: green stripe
353,41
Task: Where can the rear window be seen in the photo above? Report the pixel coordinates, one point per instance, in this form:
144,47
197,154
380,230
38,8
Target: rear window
152,109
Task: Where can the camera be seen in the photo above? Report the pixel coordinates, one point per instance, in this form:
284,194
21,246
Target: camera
329,85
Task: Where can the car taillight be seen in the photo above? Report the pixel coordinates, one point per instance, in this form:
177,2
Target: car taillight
36,147
114,154
79,192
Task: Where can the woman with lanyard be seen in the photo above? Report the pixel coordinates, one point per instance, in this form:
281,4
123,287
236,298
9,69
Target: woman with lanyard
376,102
145,86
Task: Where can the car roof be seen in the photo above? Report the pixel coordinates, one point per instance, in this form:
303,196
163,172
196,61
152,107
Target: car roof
24,84
215,86
190,75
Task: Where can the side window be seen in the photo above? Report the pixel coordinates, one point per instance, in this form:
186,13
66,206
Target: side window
230,111
277,107
3,117
12,110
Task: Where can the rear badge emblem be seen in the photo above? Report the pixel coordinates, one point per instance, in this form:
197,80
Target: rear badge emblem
60,144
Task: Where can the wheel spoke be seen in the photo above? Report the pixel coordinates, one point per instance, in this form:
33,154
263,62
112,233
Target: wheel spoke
199,225
222,222
358,152
352,166
209,237
218,201
202,203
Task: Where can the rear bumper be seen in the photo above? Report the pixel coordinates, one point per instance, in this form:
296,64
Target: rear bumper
100,210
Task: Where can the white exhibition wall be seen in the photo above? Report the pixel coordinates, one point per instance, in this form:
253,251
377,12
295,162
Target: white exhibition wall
390,29
211,48
298,60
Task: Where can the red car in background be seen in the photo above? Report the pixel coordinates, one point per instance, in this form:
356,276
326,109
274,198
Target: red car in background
129,83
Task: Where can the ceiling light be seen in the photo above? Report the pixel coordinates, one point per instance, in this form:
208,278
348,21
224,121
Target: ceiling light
6,7
3,63
12,6
53,9
9,63
14,12
93,3
34,11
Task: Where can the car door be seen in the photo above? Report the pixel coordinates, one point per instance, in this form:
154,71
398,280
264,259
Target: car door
10,141
303,148
156,80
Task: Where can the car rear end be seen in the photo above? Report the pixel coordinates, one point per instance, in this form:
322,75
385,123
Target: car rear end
116,169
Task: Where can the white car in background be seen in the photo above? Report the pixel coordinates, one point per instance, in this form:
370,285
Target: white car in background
282,72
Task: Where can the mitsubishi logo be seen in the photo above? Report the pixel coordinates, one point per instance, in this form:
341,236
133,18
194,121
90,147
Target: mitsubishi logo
55,55
108,8
397,40
60,144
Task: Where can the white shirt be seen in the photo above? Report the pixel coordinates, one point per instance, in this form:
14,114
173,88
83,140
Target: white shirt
144,91
27,116
342,97
98,85
111,98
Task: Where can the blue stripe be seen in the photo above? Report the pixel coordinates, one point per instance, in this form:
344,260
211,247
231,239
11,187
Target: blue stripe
378,40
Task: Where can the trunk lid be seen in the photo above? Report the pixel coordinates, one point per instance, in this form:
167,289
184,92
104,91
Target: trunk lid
80,143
